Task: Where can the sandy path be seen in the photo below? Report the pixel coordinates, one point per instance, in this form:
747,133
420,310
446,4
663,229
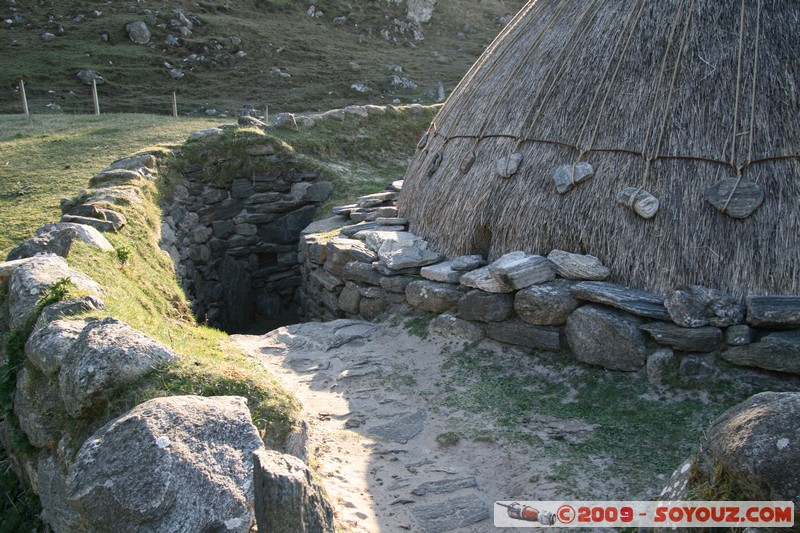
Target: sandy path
372,396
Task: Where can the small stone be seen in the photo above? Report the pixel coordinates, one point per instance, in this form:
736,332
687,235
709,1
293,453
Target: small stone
484,306
777,351
138,32
481,279
521,334
567,176
739,335
402,429
432,297
779,312
398,255
578,267
628,299
696,306
443,486
451,327
508,166
435,163
466,263
442,272
702,339
661,364
737,198
519,270
606,337
640,201
548,304
461,512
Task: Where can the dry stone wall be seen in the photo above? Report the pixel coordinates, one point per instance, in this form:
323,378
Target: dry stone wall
235,245
555,303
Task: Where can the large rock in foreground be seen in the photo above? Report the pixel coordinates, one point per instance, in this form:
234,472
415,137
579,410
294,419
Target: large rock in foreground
178,464
758,444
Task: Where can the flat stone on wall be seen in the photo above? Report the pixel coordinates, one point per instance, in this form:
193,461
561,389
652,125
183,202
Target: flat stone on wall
606,337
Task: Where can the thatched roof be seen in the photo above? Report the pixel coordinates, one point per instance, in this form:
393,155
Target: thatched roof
665,96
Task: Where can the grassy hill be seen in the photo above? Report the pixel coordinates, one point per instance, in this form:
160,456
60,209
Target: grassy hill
256,52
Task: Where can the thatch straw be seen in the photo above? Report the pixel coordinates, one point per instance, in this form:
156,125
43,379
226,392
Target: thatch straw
669,95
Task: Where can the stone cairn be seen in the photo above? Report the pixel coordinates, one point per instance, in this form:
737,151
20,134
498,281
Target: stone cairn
363,262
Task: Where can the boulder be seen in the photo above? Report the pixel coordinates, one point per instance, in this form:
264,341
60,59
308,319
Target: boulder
606,337
451,327
778,351
519,333
628,299
48,345
431,296
57,242
519,270
181,463
484,306
703,339
756,444
287,498
35,275
696,306
548,304
578,267
481,279
106,356
138,32
778,312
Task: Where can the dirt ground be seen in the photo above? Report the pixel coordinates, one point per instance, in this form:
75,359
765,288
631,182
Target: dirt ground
404,438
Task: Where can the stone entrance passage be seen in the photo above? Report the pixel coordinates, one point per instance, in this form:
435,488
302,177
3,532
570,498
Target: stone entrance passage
233,226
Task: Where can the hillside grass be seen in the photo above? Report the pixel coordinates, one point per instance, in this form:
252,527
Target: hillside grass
44,159
322,57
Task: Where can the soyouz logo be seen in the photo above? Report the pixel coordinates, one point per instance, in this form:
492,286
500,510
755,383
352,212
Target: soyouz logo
643,514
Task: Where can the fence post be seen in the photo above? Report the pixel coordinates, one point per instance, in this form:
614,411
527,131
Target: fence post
174,104
24,98
94,95
266,114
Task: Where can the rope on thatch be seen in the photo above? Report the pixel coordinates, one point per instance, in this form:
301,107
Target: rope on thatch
628,40
752,103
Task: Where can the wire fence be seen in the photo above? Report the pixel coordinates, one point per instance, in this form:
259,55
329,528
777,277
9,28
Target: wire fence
94,102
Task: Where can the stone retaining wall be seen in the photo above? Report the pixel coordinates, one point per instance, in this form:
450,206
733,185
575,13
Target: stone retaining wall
235,245
554,303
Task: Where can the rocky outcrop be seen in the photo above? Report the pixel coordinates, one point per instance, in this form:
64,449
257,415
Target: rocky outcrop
182,463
